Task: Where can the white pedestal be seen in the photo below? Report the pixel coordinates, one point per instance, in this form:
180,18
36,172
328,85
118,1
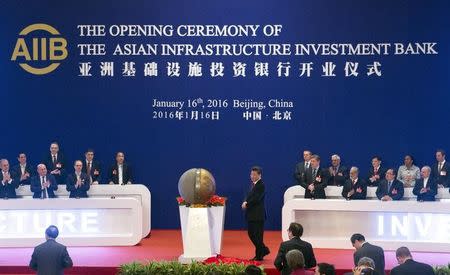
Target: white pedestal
202,230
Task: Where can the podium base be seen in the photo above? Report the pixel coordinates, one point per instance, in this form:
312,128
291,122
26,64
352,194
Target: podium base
187,260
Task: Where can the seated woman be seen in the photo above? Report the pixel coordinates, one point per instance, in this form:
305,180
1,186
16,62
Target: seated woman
296,263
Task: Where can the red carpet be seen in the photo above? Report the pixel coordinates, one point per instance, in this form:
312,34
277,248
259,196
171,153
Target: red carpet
167,245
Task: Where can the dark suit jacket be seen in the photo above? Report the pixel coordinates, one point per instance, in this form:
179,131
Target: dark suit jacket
80,192
360,183
9,189
439,177
374,252
255,211
36,186
299,174
18,173
411,267
397,185
319,192
340,177
95,170
50,258
294,243
431,192
114,174
381,172
60,164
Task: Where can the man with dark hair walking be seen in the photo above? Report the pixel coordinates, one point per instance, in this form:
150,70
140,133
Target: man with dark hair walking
255,213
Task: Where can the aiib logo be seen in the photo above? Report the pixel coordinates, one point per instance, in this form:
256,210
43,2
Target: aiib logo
39,48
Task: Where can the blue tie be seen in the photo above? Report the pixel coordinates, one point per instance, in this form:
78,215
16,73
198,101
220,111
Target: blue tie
389,185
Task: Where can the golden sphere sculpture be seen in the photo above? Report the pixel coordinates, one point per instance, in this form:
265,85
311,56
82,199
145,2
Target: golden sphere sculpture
197,186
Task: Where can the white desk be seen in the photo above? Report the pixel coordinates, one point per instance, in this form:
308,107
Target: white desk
334,192
329,223
137,191
82,222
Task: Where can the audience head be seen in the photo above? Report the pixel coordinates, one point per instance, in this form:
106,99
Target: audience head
255,173
4,165
357,240
335,160
402,254
409,160
120,157
315,161
51,232
354,172
376,161
54,148
22,158
366,262
253,270
89,154
42,170
307,155
295,259
440,155
390,174
325,269
78,165
425,172
295,230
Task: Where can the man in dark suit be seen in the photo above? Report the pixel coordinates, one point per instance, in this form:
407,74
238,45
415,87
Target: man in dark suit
316,180
78,183
55,163
255,213
92,167
390,188
376,172
355,188
50,258
425,188
295,231
8,182
407,266
338,172
365,249
301,167
441,170
120,172
43,185
23,170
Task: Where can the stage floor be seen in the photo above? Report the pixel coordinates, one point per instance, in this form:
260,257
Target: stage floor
167,245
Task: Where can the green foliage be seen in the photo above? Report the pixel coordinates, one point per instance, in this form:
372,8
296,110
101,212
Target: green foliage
442,270
170,268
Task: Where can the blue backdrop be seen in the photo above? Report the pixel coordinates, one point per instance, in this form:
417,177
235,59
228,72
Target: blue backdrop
403,111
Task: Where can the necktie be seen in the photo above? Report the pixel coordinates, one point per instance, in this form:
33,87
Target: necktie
354,181
440,167
44,189
88,170
389,185
314,173
375,171
54,159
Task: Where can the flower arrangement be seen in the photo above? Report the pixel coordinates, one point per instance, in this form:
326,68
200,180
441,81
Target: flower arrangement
213,201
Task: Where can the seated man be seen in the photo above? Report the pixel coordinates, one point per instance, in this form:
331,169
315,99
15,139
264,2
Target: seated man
43,185
295,231
355,188
338,172
8,183
407,266
376,172
325,269
120,172
23,170
425,188
390,188
78,183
